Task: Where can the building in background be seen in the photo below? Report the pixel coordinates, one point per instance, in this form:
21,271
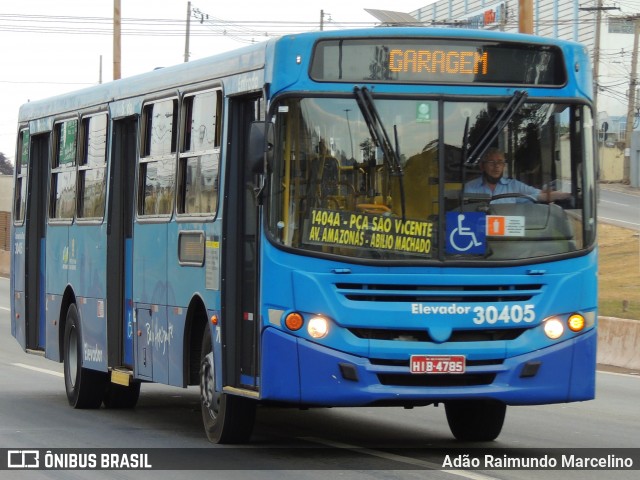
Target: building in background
6,197
571,20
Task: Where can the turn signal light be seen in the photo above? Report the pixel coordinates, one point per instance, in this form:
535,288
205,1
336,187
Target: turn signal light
576,322
294,321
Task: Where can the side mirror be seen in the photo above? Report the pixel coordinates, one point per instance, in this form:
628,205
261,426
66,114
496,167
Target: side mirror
260,147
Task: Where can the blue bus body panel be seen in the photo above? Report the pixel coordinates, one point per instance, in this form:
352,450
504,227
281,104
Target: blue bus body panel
309,286
52,350
60,258
299,371
150,263
88,260
293,75
17,284
94,333
161,303
172,344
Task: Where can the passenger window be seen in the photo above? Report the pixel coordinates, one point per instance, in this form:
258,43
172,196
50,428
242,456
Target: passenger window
200,153
157,162
21,177
63,171
92,168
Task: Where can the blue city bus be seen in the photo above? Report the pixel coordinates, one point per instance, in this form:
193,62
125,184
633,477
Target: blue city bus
292,223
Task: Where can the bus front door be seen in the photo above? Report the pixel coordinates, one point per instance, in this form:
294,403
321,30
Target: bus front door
240,286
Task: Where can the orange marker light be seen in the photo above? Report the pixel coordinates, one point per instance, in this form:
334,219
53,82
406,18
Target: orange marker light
576,322
214,319
294,321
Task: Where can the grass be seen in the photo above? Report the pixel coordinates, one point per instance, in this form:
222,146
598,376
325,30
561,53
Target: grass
619,272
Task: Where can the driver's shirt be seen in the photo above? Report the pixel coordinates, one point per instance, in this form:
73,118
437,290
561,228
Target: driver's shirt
504,186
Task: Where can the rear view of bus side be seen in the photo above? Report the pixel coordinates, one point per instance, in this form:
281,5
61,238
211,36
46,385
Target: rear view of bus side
294,222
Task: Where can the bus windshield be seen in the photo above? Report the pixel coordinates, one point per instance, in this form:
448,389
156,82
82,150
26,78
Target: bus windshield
462,180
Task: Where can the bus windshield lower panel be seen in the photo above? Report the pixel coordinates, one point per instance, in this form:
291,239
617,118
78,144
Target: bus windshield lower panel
506,179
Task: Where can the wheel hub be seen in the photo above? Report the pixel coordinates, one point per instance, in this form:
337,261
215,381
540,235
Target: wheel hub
208,395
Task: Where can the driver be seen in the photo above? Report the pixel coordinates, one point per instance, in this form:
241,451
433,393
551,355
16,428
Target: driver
492,182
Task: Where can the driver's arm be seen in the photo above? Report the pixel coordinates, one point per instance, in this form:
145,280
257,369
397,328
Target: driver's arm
548,196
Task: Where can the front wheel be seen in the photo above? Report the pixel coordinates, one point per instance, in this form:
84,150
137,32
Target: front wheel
227,418
85,388
475,420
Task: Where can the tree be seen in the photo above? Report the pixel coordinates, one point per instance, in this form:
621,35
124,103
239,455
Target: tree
6,167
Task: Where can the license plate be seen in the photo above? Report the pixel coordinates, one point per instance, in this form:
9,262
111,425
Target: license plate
434,364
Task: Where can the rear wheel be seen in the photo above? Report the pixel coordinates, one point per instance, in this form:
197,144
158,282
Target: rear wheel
85,388
227,418
475,420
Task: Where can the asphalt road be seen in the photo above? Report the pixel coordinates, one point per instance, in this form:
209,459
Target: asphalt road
619,205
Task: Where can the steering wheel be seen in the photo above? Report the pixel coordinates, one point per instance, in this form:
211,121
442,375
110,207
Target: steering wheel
526,196
373,208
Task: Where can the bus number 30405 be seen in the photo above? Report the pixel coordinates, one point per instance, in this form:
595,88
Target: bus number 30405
507,314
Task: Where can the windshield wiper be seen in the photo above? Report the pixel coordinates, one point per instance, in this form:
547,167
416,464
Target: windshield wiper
496,125
380,137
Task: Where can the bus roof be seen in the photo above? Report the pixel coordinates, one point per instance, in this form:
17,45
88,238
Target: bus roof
246,59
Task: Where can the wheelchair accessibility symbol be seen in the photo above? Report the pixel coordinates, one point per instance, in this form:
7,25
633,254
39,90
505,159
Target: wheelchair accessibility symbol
466,232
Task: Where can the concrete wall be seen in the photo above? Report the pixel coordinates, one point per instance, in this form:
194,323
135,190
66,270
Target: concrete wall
619,342
611,164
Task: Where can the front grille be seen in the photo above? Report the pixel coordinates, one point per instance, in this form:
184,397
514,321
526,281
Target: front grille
475,335
442,380
369,292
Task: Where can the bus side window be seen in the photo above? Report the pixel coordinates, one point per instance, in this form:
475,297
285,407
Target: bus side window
20,200
92,168
63,171
200,153
157,162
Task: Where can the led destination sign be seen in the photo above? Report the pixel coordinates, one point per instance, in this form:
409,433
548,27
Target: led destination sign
438,61
433,60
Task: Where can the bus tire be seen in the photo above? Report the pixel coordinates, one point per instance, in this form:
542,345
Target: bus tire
475,420
121,397
226,418
85,388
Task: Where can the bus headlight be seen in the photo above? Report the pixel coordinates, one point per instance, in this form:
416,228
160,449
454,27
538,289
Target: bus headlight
553,328
318,327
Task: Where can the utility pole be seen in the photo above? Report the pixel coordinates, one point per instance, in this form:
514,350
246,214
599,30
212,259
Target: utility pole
631,108
117,21
322,14
188,34
596,58
596,49
525,17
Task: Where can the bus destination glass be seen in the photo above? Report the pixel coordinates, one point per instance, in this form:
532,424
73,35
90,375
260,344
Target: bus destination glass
429,60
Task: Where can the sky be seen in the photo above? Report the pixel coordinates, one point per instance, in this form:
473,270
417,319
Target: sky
53,47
